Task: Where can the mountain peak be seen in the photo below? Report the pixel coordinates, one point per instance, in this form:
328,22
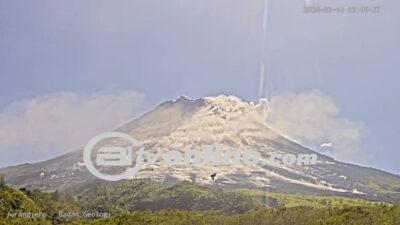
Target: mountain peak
219,119
183,99
233,107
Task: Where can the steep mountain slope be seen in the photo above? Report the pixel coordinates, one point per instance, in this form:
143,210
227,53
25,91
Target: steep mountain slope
229,121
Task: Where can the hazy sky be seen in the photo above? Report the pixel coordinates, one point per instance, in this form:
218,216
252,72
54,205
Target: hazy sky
149,51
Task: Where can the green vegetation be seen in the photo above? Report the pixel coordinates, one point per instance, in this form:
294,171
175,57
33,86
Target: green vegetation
53,203
41,207
149,195
315,201
12,200
373,215
147,202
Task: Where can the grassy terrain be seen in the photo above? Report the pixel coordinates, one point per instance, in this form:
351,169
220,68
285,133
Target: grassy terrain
316,201
148,202
372,215
145,194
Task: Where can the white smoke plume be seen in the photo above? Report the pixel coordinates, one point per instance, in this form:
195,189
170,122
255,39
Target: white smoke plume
312,118
326,148
326,145
46,126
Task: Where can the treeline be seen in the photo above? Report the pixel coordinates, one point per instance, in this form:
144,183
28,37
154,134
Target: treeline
16,205
150,195
372,215
148,202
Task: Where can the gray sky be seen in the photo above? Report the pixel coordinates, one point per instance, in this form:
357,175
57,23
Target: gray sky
159,50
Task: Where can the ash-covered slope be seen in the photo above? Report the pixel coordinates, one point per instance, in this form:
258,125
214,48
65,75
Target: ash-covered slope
226,120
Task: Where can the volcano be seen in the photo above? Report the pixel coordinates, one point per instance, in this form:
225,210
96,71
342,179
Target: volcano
227,120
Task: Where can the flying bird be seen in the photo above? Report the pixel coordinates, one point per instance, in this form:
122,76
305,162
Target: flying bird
213,175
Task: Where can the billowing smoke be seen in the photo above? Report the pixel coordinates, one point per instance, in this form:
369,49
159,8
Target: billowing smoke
326,148
46,126
312,118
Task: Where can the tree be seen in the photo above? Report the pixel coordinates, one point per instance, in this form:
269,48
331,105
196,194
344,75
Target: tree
2,180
